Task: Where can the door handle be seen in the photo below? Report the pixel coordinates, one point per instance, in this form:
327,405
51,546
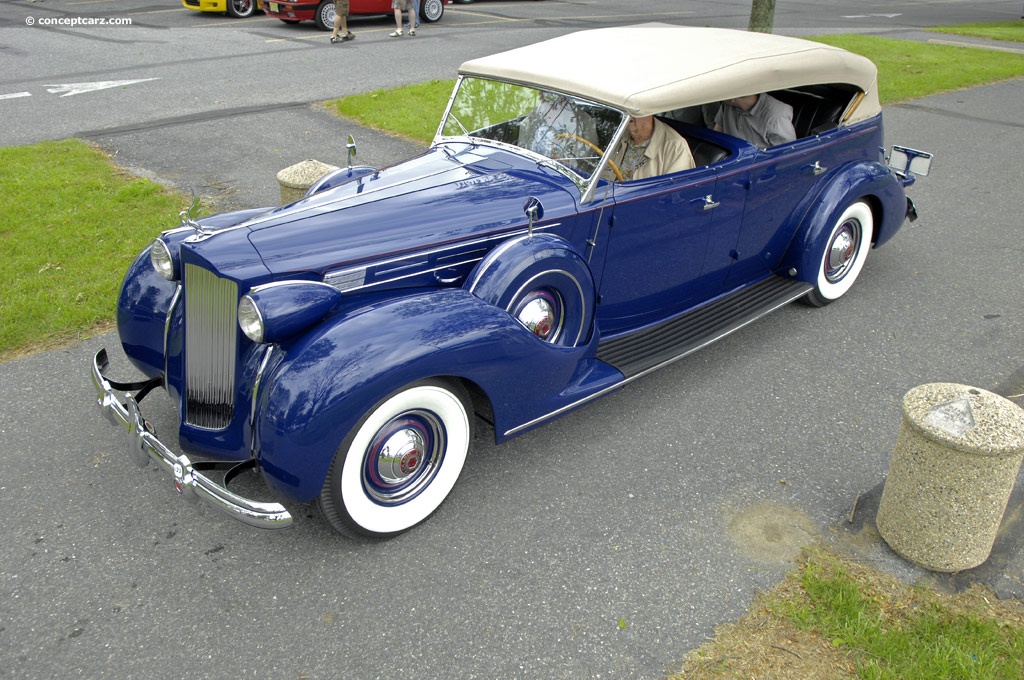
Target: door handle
817,168
707,203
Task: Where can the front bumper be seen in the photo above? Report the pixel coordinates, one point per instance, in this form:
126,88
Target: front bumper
143,444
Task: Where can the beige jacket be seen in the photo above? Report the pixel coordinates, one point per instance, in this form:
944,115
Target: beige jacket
667,152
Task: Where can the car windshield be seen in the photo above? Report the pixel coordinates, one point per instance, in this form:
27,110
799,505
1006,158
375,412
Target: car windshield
574,132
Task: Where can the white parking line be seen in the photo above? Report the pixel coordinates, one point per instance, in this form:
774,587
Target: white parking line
69,89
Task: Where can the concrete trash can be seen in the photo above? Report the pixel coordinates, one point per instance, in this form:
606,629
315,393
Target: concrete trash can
296,180
953,468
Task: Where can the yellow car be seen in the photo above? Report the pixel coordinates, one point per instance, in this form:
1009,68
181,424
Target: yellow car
234,8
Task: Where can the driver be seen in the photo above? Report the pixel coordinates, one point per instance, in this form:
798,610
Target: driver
550,128
650,149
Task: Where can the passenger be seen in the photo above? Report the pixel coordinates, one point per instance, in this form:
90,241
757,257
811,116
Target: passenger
651,149
761,119
555,126
701,116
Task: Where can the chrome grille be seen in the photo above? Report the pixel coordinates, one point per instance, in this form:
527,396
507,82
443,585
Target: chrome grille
211,334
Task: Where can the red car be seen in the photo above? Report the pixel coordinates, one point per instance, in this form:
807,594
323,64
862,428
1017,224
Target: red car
322,11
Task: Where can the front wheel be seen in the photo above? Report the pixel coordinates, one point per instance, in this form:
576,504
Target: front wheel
324,17
400,462
241,8
843,255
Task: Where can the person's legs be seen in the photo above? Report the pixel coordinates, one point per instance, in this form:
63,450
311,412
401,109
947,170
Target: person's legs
341,22
397,33
337,23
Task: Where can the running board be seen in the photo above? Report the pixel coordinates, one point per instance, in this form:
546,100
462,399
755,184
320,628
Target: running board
641,352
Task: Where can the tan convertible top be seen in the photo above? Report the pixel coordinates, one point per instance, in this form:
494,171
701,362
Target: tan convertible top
653,68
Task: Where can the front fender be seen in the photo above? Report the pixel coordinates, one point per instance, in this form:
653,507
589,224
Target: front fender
322,384
865,180
142,307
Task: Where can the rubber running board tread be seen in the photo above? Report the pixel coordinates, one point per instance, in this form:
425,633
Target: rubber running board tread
647,349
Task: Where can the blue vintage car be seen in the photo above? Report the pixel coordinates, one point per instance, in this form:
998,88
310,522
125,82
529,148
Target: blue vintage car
540,254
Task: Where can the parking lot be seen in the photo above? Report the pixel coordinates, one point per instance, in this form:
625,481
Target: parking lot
666,506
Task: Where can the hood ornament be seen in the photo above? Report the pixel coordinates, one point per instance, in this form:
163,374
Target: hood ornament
188,221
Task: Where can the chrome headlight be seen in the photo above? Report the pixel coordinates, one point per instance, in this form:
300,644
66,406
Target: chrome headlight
276,311
162,259
250,320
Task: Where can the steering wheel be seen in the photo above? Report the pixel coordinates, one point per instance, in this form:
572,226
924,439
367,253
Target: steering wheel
595,147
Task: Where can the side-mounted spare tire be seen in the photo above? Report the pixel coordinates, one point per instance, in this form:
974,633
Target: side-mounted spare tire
544,283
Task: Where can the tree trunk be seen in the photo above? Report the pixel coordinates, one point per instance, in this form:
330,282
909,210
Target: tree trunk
762,16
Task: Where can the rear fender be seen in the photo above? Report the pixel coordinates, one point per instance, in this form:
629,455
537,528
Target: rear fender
868,181
319,386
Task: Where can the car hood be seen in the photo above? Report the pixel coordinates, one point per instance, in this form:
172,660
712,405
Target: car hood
451,194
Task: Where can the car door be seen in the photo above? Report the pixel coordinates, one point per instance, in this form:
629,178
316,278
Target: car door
779,178
654,257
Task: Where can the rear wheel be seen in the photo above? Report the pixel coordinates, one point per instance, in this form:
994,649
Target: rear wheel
241,8
843,255
400,462
431,10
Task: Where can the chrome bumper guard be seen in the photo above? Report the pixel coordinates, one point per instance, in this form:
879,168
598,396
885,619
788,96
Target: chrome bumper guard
143,444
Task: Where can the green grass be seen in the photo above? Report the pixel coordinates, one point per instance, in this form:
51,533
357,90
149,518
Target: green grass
908,70
71,225
909,636
413,111
1004,30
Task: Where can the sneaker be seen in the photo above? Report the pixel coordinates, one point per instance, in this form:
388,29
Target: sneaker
335,40
349,36
412,31
395,34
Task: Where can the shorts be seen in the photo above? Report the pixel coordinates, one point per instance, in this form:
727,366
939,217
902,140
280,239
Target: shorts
341,8
403,5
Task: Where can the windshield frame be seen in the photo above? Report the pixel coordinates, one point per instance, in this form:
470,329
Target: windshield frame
585,182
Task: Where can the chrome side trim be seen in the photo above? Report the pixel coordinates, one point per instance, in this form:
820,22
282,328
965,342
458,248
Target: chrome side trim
256,385
144,445
340,278
175,299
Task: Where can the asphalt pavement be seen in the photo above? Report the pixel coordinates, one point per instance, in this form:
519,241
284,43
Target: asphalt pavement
606,544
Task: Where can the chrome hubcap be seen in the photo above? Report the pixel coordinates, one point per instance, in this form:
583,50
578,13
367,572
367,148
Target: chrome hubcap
541,315
400,456
403,458
842,251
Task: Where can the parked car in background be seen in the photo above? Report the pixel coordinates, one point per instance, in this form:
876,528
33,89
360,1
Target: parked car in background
234,8
321,12
344,345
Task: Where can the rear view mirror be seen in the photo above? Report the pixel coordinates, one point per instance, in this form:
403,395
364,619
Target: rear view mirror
904,160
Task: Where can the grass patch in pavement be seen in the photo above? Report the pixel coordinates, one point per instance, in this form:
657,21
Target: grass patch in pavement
906,70
1012,31
72,223
833,618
